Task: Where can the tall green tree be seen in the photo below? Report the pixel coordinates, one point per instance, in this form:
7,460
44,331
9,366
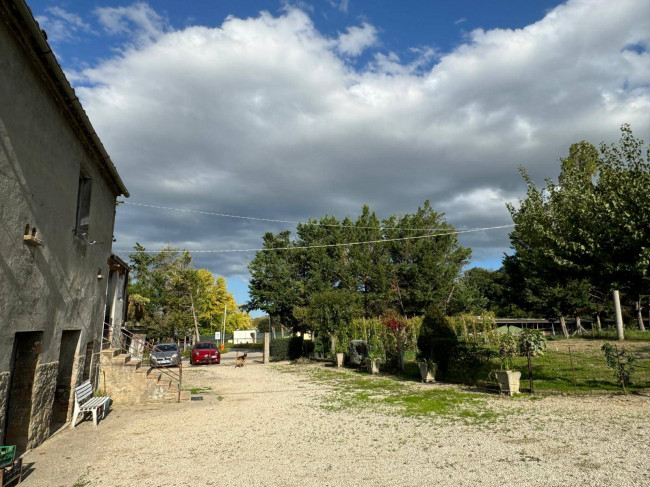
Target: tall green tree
579,238
274,286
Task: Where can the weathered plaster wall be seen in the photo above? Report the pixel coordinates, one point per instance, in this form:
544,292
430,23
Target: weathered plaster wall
53,286
42,398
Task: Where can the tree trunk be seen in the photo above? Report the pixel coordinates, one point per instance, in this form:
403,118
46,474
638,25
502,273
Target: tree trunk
196,324
600,327
565,332
333,345
639,314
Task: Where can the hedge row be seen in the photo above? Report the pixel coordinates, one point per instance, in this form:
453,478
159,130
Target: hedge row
290,348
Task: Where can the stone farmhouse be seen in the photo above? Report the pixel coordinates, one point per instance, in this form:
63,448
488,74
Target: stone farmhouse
58,190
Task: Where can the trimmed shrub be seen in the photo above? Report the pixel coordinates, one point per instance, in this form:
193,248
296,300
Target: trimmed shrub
308,348
437,340
471,361
279,348
286,348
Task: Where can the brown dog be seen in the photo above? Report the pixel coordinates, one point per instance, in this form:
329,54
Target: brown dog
240,361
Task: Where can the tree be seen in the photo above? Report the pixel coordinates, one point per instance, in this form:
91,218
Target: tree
170,297
579,238
424,269
274,286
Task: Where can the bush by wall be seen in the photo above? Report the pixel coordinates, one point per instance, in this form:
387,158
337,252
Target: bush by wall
290,348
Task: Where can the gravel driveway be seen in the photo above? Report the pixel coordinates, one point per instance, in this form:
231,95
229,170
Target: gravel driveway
264,426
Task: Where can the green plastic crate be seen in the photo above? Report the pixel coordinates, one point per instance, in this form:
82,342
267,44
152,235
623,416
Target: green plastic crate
7,454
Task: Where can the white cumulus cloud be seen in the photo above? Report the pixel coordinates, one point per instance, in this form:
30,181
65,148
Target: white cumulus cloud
265,117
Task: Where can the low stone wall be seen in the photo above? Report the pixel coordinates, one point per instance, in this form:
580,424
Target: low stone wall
42,400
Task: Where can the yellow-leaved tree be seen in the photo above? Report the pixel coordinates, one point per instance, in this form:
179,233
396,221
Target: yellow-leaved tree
215,299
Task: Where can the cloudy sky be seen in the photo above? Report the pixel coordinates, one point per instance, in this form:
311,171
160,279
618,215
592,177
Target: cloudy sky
289,110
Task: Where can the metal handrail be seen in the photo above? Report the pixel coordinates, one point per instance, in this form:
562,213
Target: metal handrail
149,346
124,334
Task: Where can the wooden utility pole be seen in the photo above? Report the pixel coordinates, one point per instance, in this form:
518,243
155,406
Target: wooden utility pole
618,314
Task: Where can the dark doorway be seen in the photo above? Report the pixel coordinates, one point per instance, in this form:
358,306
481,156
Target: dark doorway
88,361
25,355
62,396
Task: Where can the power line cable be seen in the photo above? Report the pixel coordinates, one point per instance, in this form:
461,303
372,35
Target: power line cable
271,220
319,246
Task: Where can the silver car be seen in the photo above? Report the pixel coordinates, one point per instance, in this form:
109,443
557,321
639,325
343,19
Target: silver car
165,355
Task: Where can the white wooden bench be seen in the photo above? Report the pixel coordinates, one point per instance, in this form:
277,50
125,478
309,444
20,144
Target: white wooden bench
85,402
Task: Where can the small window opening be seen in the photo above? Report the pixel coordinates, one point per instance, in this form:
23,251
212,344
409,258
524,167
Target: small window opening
34,232
27,229
83,205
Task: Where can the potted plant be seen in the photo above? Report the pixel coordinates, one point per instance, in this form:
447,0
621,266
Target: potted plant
507,378
340,355
427,370
531,344
373,361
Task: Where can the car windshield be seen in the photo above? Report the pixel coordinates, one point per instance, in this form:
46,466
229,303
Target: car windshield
202,346
165,347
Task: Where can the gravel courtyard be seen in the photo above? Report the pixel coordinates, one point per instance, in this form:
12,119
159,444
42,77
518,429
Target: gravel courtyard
274,426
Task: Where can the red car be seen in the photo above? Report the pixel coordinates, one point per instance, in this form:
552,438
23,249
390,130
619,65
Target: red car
205,353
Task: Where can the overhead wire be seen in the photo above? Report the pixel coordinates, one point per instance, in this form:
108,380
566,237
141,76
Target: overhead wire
272,220
319,246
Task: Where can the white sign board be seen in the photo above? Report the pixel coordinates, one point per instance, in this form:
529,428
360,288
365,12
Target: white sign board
217,335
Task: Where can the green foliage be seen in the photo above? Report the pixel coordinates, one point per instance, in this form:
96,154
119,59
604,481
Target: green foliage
437,339
308,287
507,350
579,238
478,329
621,362
279,348
166,294
531,342
286,348
470,360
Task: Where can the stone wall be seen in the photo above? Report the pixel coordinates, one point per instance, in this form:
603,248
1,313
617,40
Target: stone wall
42,399
4,397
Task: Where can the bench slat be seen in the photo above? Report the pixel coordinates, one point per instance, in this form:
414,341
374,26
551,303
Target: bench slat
94,403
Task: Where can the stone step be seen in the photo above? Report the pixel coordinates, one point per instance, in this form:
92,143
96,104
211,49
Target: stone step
134,363
109,353
121,359
154,375
173,396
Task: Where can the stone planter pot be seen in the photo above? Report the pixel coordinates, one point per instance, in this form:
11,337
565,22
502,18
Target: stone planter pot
427,373
508,381
339,359
373,365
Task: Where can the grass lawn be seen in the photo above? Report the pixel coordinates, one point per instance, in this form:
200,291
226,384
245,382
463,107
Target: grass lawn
357,389
553,371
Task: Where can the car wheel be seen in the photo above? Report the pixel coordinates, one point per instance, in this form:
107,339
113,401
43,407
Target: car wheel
192,362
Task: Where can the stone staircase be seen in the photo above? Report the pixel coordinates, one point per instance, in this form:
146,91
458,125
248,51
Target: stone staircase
127,381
